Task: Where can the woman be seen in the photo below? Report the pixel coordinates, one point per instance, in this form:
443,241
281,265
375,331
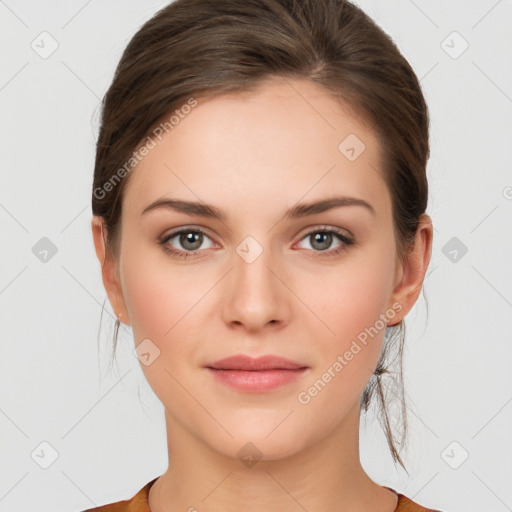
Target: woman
259,205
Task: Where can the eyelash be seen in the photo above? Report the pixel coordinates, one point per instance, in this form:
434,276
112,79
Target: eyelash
346,242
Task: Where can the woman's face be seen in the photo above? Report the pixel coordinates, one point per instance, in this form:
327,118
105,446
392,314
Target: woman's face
316,286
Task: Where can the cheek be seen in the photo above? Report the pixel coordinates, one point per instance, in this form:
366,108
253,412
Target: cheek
350,303
163,302
158,294
170,305
350,298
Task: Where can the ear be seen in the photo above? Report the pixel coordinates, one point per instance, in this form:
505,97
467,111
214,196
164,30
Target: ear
410,274
109,270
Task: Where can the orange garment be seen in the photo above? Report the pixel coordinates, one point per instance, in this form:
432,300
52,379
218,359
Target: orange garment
139,503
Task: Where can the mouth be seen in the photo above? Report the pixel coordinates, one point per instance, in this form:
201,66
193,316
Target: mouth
243,362
256,375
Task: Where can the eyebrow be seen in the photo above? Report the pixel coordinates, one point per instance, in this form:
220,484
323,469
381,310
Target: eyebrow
297,211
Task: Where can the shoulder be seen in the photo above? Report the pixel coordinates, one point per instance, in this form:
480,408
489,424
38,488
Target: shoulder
405,504
138,503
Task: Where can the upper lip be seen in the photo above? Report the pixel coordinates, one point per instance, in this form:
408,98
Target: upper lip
243,362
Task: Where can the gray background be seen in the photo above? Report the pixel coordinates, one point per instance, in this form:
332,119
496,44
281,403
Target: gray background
101,433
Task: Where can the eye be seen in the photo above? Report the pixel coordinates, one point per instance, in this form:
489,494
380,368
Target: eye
321,240
188,240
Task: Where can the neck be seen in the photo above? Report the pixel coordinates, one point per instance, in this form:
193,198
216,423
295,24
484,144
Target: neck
326,476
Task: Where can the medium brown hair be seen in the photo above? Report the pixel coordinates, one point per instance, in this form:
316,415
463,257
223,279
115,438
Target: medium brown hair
212,47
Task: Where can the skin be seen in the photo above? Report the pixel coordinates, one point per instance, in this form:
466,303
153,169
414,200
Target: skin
254,156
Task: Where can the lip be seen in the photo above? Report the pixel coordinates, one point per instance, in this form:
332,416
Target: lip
243,362
256,375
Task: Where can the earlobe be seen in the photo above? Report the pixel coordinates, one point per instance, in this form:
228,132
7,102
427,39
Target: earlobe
108,270
412,271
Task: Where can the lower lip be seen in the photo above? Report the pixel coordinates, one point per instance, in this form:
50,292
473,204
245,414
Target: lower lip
257,381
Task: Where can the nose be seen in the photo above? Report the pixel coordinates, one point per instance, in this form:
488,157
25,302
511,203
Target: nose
254,295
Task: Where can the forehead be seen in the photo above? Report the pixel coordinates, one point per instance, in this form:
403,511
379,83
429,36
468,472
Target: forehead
282,141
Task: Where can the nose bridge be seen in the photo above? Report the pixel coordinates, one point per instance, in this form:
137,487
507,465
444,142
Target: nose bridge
256,295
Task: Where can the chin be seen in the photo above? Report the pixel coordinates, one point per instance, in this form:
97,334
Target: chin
254,445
